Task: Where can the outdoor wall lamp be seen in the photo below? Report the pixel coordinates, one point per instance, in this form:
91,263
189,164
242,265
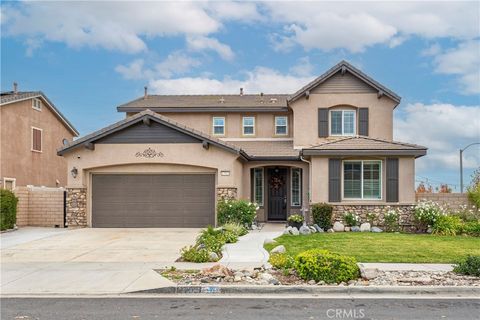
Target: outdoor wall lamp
74,172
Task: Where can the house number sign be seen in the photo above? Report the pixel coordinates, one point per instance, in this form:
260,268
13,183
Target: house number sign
149,153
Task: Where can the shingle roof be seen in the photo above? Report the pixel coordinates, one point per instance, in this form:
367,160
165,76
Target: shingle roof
268,149
199,102
354,71
8,97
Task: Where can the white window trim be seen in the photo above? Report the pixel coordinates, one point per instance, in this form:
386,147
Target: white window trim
299,187
244,126
213,126
12,180
286,126
361,181
343,134
39,103
41,140
263,187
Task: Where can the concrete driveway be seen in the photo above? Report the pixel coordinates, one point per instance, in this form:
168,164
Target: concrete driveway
87,261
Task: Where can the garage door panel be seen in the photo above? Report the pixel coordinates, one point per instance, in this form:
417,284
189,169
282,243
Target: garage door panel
157,200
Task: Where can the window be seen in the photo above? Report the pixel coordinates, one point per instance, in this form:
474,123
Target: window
281,126
9,183
296,187
258,186
37,104
342,122
362,180
218,126
248,126
36,139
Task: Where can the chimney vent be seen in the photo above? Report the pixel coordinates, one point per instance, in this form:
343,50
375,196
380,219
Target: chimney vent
241,91
146,92
15,88
261,94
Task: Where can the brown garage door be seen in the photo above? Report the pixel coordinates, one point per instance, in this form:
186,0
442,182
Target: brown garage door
153,200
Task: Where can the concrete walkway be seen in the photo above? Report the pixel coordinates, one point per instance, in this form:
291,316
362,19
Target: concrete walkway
408,266
248,252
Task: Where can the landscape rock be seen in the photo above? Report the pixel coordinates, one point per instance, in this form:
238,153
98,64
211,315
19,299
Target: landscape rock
265,276
376,229
212,256
286,231
368,273
317,227
294,231
269,241
365,227
312,229
304,230
347,229
254,227
311,282
330,230
217,270
338,227
355,229
278,249
429,230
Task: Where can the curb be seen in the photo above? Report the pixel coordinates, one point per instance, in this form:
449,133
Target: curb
320,290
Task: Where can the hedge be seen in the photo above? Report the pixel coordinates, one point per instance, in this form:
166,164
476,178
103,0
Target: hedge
8,209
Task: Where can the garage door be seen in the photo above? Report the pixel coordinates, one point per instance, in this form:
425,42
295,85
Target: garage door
154,201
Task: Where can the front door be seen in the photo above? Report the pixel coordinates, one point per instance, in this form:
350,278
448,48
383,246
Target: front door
277,194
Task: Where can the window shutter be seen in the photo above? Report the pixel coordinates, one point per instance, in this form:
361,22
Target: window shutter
363,122
334,174
323,123
36,139
392,179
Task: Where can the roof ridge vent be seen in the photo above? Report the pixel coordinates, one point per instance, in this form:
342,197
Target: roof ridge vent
273,100
221,100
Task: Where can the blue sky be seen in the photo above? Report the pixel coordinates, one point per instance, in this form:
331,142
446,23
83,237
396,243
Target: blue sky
89,57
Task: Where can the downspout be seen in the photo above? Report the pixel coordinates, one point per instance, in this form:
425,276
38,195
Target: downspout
304,209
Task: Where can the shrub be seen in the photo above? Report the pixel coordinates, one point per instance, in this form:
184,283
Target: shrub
474,189
426,213
229,236
371,218
295,218
447,225
469,266
321,265
211,239
8,209
322,215
467,214
472,228
236,228
281,261
391,220
195,254
351,219
238,211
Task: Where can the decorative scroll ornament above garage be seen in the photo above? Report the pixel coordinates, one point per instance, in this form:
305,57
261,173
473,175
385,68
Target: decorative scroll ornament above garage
149,153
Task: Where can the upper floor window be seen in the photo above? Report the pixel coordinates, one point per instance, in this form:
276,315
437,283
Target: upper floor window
362,180
281,126
37,104
248,126
342,122
37,139
219,126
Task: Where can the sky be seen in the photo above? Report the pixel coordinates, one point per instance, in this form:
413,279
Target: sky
89,57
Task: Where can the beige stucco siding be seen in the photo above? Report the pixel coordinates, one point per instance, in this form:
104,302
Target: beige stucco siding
305,112
17,160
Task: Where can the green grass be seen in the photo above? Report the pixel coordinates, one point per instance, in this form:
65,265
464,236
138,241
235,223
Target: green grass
385,247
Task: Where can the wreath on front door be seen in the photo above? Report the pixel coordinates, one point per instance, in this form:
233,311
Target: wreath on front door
276,182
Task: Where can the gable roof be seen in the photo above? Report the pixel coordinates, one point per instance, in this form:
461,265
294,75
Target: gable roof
208,103
8,97
365,146
344,66
139,117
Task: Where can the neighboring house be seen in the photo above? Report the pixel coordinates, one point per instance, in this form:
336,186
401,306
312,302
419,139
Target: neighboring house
172,157
31,131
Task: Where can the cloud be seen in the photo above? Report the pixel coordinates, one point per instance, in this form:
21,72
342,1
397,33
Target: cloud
463,61
303,67
433,50
444,129
175,63
258,80
201,43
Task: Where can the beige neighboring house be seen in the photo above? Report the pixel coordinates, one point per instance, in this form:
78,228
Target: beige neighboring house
173,157
31,130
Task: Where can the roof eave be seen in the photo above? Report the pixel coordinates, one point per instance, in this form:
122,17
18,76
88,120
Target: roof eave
366,152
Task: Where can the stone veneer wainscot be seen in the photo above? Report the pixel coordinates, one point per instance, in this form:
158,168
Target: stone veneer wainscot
228,193
76,207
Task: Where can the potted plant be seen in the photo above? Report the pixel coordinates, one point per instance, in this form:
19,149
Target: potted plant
295,220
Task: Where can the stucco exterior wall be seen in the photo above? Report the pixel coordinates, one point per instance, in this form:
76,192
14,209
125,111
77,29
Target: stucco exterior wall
305,113
17,160
406,184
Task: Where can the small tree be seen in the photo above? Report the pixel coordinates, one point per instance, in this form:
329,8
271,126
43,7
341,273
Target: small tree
474,189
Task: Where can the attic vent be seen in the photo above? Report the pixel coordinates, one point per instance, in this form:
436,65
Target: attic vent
273,100
221,100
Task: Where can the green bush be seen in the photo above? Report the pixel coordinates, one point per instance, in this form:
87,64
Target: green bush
236,228
322,215
321,265
229,236
391,220
447,226
8,209
426,213
195,254
472,228
211,239
469,266
474,189
295,218
238,211
467,214
281,261
351,219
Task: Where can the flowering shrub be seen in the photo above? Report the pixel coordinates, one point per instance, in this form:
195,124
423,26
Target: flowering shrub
467,213
239,211
295,218
371,218
351,219
426,213
392,220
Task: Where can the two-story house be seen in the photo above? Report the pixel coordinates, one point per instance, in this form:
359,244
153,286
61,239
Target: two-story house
172,157
31,130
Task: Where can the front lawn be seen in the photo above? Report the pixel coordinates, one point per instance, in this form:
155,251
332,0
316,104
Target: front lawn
385,247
